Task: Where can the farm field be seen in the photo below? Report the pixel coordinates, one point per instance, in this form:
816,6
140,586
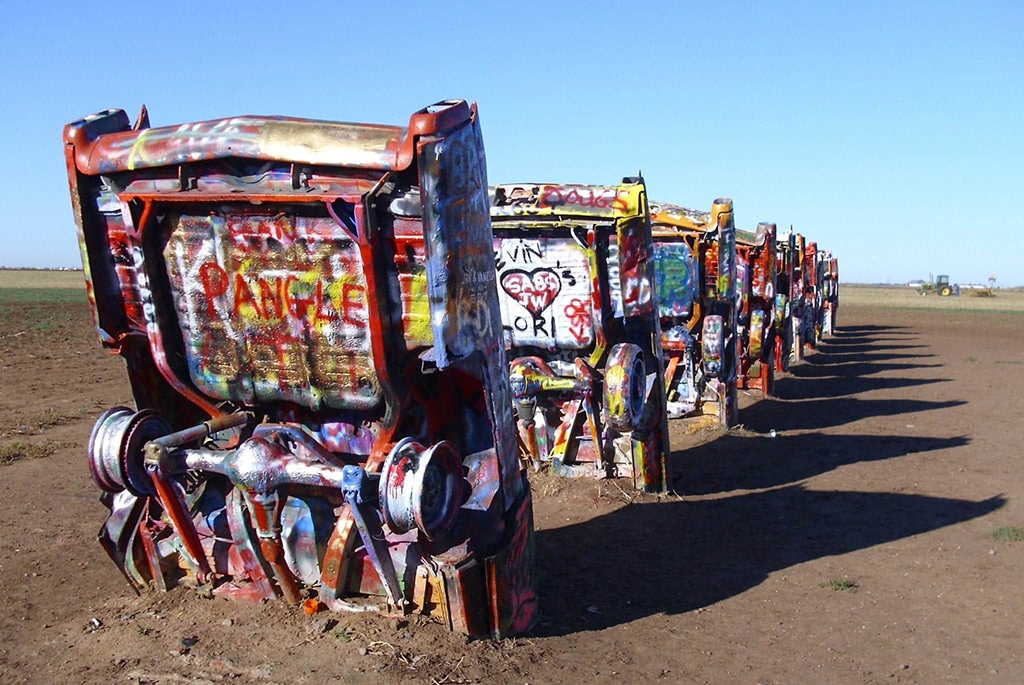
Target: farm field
903,297
41,279
870,541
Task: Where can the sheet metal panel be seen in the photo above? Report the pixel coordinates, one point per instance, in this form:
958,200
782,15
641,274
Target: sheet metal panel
272,308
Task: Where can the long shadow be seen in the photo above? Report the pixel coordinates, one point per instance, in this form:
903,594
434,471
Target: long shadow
851,369
838,386
752,462
676,556
851,337
829,412
864,339
673,557
860,346
832,358
892,337
871,328
841,369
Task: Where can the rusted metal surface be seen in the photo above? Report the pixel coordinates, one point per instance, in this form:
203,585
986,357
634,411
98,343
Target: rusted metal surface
103,142
697,271
578,310
310,318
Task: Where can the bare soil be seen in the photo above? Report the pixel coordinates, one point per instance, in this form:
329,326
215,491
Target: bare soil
855,546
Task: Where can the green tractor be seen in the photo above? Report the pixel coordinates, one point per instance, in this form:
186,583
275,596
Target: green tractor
941,287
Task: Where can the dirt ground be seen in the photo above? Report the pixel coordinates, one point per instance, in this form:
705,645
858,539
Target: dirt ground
856,546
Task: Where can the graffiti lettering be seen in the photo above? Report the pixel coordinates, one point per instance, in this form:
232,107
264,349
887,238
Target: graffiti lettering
463,170
215,284
523,252
267,322
762,280
598,198
244,299
535,326
556,297
535,290
460,264
614,276
271,297
578,315
243,229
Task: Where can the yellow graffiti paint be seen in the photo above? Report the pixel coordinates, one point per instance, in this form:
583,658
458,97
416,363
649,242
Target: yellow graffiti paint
615,380
136,147
417,317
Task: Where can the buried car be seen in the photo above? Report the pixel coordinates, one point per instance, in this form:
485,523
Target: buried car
310,323
695,263
787,282
581,328
756,263
794,310
828,273
811,306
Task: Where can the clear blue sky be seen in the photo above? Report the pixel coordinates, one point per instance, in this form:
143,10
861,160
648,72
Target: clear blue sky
890,132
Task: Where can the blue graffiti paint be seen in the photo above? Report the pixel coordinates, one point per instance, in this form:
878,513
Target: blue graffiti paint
675,275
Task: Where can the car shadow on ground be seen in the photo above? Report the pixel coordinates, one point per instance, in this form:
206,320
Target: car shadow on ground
876,328
847,357
853,369
678,556
824,387
815,414
858,346
845,366
744,461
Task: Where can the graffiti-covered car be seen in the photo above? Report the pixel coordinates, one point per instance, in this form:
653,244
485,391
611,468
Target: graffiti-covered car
811,304
695,264
828,273
578,310
756,264
787,299
795,309
310,323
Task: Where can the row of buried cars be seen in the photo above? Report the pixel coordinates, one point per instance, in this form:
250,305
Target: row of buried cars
346,349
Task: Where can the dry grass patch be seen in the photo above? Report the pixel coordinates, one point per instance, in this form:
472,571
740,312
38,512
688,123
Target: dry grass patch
544,483
13,451
1009,534
35,424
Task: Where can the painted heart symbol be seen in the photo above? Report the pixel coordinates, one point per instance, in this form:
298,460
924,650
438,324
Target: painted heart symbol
535,290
